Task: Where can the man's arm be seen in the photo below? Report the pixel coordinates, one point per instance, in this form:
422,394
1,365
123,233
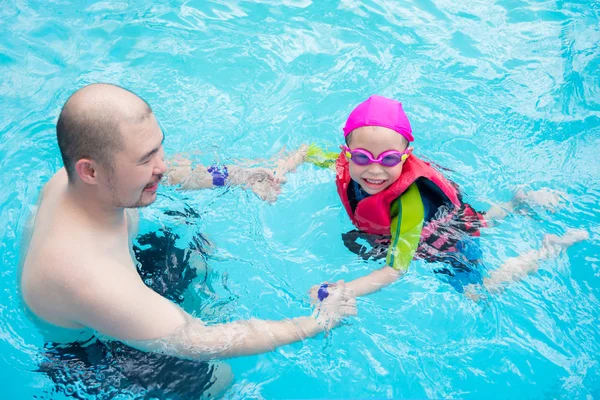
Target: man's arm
196,340
125,309
264,181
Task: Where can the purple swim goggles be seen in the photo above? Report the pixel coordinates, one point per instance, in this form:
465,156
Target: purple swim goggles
389,158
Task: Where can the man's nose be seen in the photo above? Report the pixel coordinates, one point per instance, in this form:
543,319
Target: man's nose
161,167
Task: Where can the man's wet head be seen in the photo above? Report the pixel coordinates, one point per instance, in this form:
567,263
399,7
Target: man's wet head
111,144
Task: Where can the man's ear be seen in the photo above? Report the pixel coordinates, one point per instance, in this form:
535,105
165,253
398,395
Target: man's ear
86,169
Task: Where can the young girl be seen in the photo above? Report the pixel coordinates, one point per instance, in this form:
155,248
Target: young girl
402,204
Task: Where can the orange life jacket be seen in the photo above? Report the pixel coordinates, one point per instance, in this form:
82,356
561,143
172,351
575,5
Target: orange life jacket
373,214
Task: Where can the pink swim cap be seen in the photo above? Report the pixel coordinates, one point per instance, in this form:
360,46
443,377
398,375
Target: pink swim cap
380,111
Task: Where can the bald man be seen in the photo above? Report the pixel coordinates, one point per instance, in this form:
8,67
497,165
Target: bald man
78,274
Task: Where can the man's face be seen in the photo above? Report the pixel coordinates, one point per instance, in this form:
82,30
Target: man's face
374,178
139,166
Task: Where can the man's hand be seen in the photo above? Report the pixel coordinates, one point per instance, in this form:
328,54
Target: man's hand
266,182
339,304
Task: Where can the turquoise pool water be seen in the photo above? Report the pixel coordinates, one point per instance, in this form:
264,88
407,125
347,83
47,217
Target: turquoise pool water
504,93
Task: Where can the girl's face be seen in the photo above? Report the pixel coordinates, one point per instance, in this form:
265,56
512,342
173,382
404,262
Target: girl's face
374,178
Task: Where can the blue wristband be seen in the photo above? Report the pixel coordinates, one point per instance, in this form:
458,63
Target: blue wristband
219,174
323,292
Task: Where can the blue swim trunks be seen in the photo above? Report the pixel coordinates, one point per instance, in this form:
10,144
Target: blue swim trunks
463,267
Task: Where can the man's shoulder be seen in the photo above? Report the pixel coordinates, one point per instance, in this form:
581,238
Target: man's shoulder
52,275
58,278
56,261
58,180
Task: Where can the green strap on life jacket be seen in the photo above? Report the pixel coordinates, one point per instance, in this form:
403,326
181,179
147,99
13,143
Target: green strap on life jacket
406,228
321,158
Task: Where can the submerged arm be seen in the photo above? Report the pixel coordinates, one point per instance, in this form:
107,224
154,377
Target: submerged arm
193,339
127,310
264,181
181,173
